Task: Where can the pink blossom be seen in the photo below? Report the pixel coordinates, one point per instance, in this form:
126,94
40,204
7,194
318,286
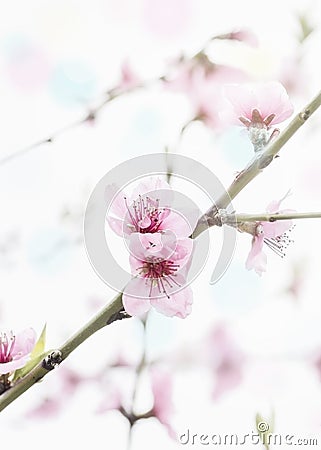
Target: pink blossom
202,82
262,104
159,265
226,361
129,79
67,381
272,234
163,408
15,349
146,211
246,36
112,400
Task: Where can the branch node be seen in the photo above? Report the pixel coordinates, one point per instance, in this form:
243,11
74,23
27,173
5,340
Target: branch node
119,315
52,360
304,115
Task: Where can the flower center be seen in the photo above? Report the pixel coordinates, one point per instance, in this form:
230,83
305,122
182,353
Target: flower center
146,216
6,346
160,274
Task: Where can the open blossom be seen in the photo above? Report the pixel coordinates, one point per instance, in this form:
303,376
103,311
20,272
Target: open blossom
15,349
147,210
258,107
269,102
163,408
159,265
272,234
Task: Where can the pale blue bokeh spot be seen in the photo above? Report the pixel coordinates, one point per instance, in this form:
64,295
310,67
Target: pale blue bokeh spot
72,83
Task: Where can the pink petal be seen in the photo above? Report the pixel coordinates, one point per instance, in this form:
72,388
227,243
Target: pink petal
13,365
180,224
257,259
143,246
135,306
115,198
258,263
151,185
137,288
179,304
272,98
274,229
242,99
116,225
24,342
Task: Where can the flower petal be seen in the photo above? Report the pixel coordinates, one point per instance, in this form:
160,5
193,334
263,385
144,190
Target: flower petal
274,229
179,304
24,342
135,306
116,199
178,224
257,259
13,365
116,225
151,185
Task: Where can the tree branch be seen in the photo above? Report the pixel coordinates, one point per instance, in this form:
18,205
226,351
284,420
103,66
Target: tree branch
114,310
109,314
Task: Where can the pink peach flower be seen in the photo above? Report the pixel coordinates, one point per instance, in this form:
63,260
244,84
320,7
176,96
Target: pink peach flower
15,349
159,265
261,103
272,234
163,408
146,211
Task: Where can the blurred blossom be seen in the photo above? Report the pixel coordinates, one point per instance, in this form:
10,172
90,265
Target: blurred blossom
162,389
292,75
67,382
226,360
72,82
246,36
129,80
15,349
167,19
272,234
27,65
202,82
111,400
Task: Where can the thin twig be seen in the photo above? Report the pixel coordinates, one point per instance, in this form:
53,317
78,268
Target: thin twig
265,217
